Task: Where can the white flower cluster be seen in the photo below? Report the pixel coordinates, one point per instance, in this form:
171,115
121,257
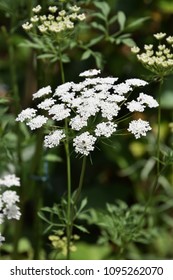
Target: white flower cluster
90,109
158,60
8,200
53,23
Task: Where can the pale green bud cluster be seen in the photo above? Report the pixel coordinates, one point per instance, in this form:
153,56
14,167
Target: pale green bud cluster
59,242
159,59
54,22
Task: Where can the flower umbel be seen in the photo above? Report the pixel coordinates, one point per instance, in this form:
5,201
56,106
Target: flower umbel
87,111
8,200
159,59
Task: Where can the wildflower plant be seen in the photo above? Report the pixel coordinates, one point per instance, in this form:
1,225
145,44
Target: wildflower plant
9,200
79,115
158,59
53,33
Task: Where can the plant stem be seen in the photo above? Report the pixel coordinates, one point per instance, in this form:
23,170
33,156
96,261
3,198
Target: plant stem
68,164
158,129
69,224
81,178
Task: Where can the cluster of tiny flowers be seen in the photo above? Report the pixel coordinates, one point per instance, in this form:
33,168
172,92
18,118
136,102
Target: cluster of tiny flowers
55,21
159,59
59,242
8,200
90,108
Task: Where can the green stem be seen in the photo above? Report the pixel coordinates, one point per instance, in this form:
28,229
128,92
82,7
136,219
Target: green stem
61,66
158,129
68,164
81,178
69,223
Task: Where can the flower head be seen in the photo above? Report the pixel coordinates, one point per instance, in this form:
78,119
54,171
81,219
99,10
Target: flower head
84,143
8,200
158,60
139,128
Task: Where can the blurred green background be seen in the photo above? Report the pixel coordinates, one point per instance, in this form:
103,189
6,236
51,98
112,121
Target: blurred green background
121,169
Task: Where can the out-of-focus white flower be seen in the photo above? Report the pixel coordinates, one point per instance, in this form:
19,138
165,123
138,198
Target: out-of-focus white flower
41,92
10,197
26,114
8,200
12,212
90,73
10,180
2,238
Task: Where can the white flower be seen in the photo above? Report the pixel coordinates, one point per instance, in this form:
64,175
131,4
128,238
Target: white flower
46,104
139,128
10,197
60,90
135,49
28,113
12,212
160,35
105,129
81,16
27,26
59,111
78,122
1,202
10,180
122,88
41,92
109,109
84,143
74,8
54,138
90,73
1,218
53,9
108,80
135,106
37,9
37,122
136,82
89,107
2,238
147,99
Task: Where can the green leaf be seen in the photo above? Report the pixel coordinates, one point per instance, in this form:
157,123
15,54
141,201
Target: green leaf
137,23
52,158
104,7
81,228
86,55
98,26
121,17
113,19
45,56
99,59
95,41
128,42
65,58
99,15
4,101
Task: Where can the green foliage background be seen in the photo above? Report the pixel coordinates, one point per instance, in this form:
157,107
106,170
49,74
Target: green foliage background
119,179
